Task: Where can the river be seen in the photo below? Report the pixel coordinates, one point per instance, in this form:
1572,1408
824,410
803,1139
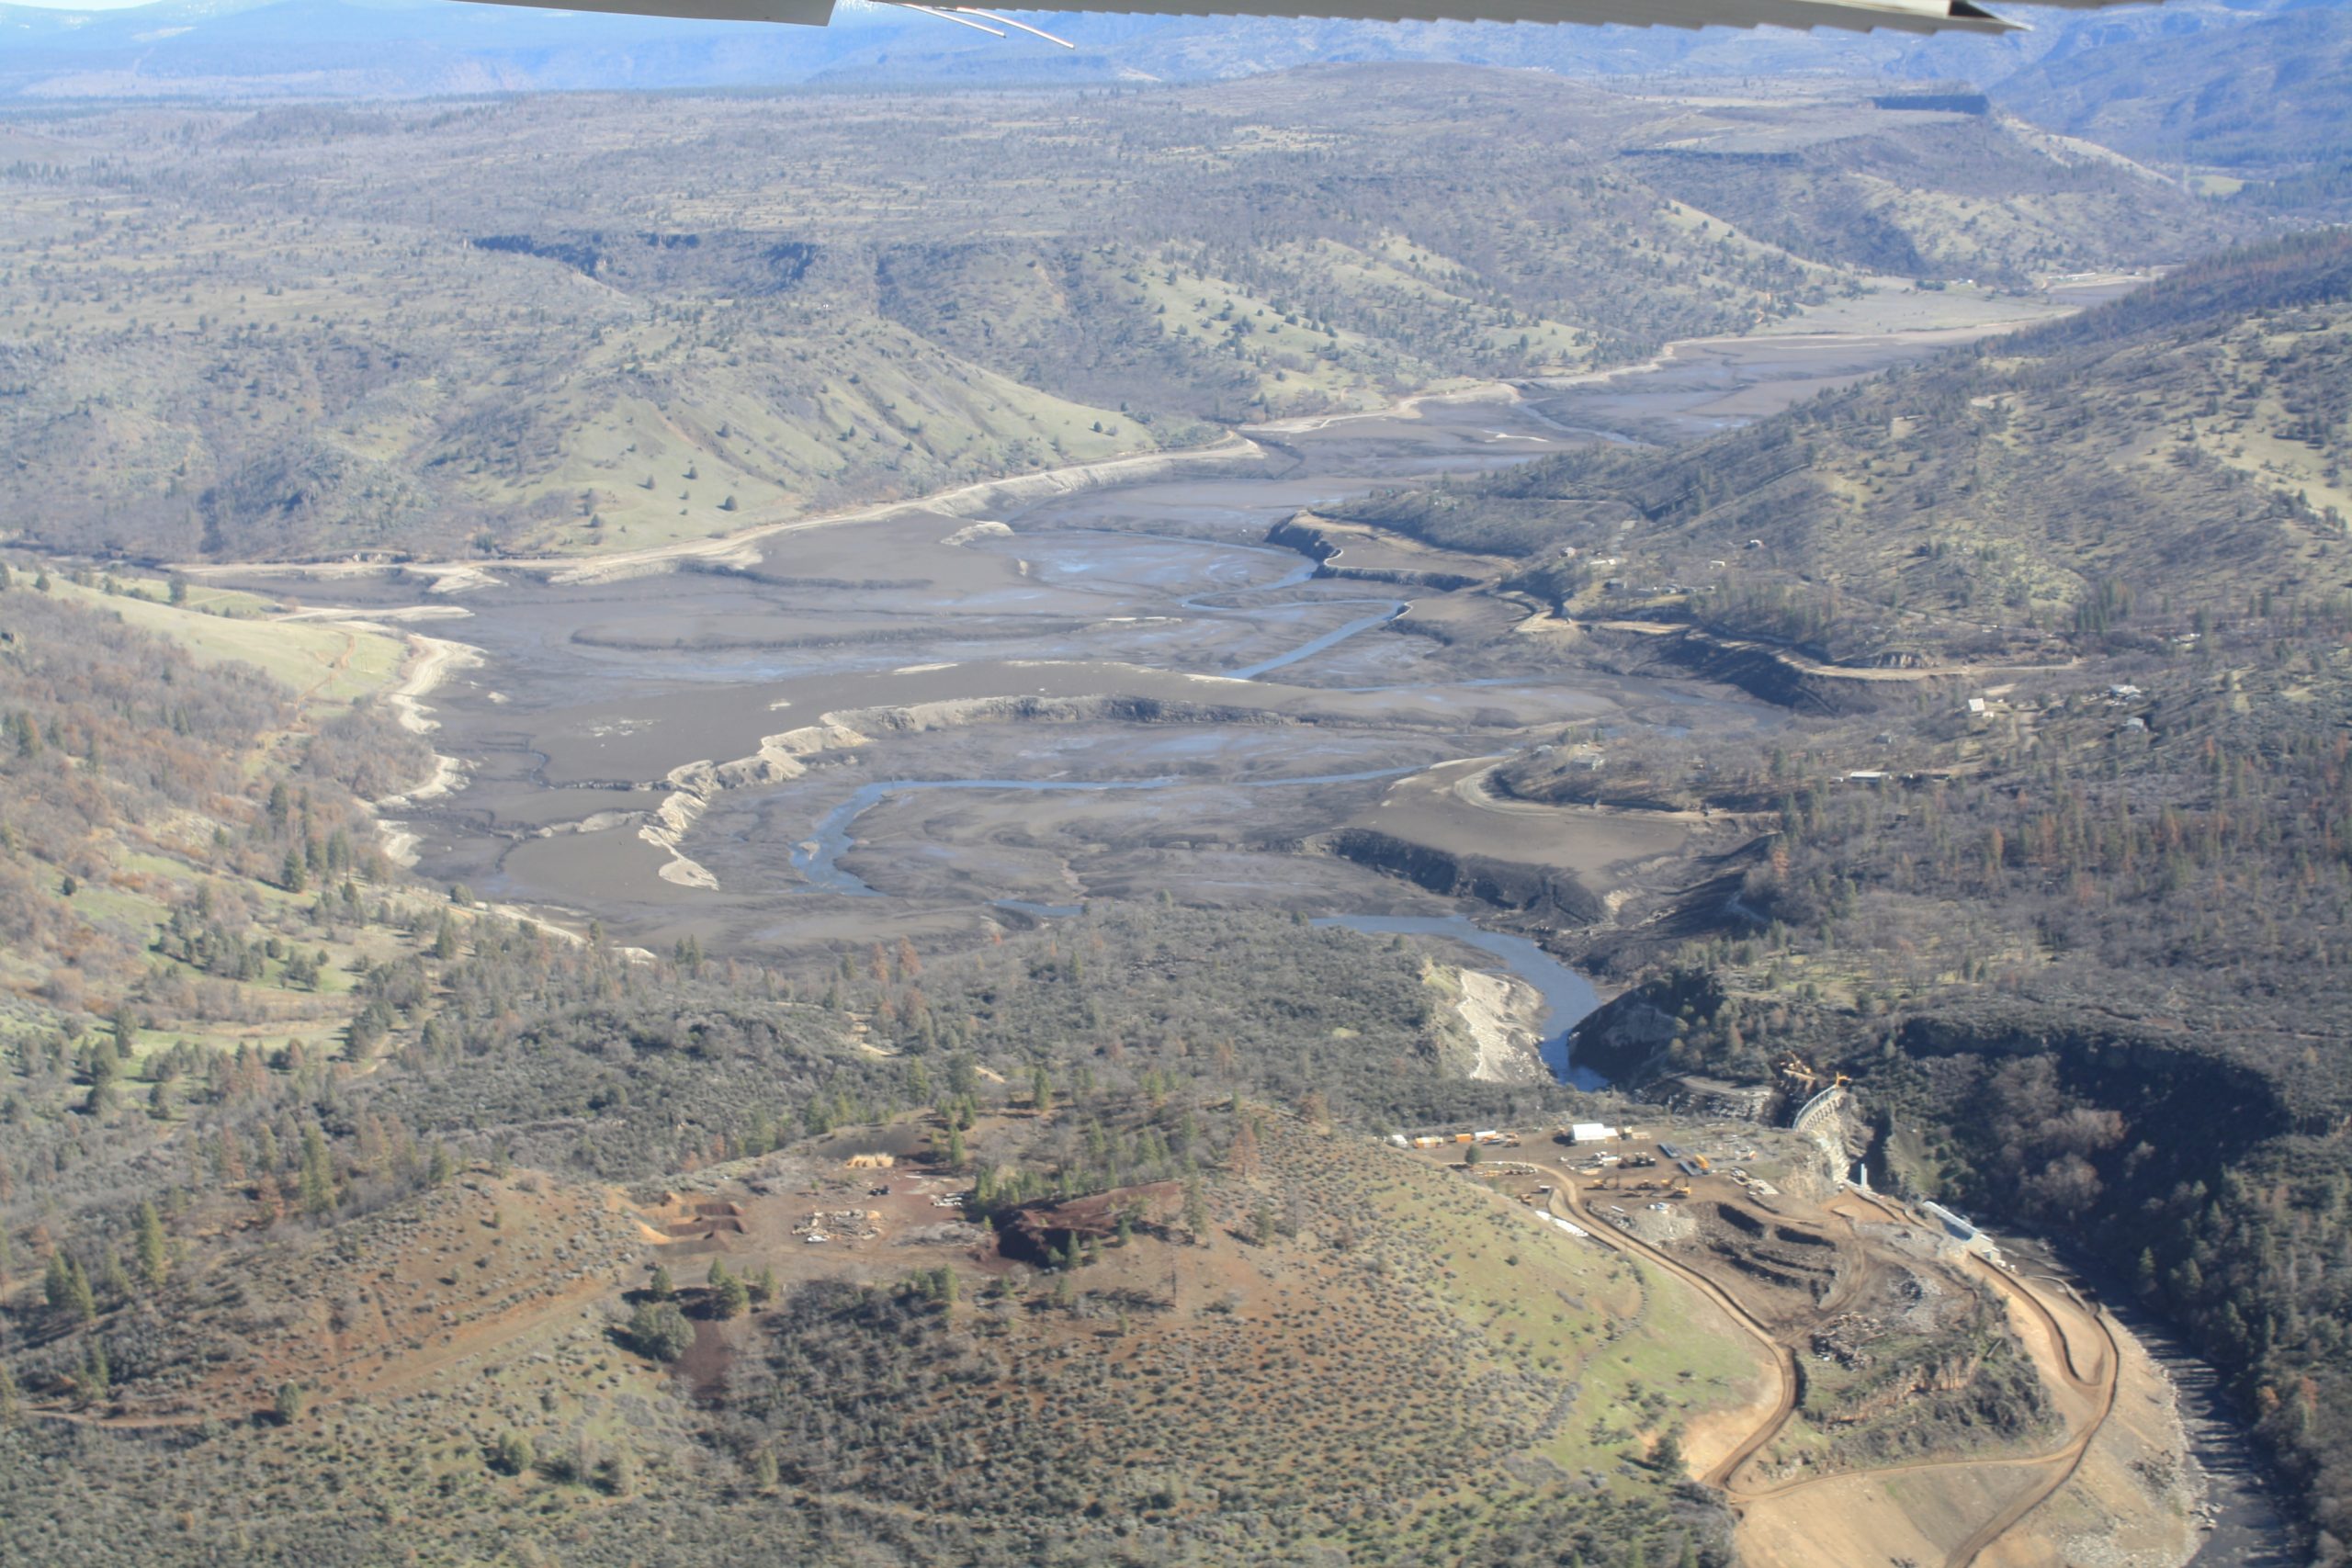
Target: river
1117,692
1567,995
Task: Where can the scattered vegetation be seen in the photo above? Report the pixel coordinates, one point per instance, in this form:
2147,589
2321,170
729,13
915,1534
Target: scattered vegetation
271,334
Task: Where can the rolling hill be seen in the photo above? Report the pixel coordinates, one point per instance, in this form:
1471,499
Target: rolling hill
2167,463
580,325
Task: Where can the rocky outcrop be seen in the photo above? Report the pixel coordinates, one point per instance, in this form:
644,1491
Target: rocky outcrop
1778,676
1300,533
1948,1373
1555,897
1627,1038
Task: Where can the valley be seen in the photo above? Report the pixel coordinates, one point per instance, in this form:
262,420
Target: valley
1109,833
952,724
902,721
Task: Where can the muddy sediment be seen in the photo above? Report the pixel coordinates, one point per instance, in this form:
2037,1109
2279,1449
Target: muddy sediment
654,737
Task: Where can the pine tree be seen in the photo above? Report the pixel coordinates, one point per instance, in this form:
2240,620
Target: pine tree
96,1379
106,1082
513,1453
660,1286
729,1296
660,1330
317,1182
155,1257
1243,1155
54,1283
68,1289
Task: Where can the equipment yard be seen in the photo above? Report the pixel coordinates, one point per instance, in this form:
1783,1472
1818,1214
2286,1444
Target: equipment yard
1917,1401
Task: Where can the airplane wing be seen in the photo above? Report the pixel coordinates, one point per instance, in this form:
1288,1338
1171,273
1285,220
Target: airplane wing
1855,15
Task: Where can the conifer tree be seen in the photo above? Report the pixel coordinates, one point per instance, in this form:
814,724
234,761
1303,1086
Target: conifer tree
513,1453
154,1257
68,1289
730,1297
317,1181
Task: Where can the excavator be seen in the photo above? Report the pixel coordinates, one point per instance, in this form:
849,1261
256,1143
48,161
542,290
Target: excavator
1803,1079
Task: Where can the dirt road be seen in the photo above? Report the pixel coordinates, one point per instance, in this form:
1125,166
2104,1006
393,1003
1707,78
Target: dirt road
1564,1192
2082,1362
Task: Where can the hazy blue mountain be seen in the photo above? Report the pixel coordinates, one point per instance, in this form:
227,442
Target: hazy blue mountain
408,48
2278,86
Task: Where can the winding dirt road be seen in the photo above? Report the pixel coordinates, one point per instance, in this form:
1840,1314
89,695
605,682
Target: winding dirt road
2087,1361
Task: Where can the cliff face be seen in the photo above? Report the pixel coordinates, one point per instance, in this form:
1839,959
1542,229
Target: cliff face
1552,896
1775,675
1303,534
1626,1039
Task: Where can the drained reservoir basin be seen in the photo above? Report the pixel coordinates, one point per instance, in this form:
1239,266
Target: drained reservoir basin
926,723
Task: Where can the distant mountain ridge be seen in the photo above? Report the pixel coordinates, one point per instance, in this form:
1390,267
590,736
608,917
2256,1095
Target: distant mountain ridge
422,48
2277,88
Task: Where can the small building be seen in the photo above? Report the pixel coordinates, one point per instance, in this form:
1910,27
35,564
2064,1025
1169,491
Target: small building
1591,1132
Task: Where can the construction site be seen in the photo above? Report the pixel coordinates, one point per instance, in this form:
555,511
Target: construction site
1913,1395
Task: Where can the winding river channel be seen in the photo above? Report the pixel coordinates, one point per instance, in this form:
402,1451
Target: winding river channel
931,720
